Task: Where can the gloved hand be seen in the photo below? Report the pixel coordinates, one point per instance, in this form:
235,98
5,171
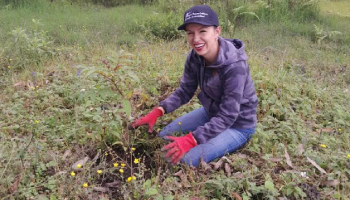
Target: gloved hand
149,119
179,147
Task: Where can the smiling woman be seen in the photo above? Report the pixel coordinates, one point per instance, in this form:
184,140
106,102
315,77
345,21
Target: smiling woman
227,119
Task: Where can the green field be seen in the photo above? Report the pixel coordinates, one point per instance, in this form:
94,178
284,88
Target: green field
74,75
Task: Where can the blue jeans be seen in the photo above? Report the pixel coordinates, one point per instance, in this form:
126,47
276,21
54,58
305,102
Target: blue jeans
226,142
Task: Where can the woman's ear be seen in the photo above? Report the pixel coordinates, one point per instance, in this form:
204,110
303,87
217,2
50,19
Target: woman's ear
218,30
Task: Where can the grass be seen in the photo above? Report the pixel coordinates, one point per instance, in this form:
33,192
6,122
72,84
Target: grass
53,116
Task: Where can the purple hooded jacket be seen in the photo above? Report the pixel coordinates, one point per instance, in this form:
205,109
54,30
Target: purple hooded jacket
227,90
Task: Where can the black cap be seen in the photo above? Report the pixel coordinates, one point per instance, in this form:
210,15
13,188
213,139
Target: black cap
200,14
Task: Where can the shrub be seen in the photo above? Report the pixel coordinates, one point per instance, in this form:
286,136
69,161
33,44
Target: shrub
160,25
27,48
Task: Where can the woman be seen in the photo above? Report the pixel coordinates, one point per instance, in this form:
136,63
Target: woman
227,119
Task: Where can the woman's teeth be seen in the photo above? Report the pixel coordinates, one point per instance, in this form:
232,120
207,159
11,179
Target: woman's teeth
199,45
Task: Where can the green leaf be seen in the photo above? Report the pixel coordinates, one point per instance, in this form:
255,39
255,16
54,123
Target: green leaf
269,185
126,107
151,192
169,197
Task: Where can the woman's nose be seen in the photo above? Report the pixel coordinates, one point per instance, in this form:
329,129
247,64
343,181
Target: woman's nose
196,37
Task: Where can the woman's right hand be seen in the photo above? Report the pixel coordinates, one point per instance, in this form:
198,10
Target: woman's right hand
149,119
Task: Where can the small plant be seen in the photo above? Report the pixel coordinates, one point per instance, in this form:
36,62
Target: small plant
114,79
27,48
320,34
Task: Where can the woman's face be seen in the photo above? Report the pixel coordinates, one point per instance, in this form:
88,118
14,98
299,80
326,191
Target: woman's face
203,39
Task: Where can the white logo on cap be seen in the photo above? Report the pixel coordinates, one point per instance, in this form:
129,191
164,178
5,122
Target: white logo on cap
191,15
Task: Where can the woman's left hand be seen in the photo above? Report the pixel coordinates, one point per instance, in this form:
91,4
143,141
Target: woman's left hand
179,147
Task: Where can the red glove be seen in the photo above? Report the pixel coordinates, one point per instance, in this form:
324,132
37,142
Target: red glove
179,147
149,119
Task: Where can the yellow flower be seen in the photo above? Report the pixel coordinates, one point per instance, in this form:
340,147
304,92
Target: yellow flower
131,178
133,149
339,130
99,171
136,161
79,165
9,67
85,185
121,171
348,155
72,173
115,164
123,165
36,121
106,154
179,123
323,145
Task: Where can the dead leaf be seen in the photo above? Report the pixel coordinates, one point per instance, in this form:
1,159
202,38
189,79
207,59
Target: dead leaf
228,169
218,164
316,165
300,149
81,162
273,159
226,159
183,178
205,166
289,162
114,184
66,153
236,196
328,130
241,155
60,173
331,183
14,187
238,175
100,189
30,85
18,84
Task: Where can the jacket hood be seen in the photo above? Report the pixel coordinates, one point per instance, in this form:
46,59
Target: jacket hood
230,51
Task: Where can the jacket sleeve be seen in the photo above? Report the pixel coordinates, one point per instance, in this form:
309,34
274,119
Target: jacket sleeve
233,83
186,90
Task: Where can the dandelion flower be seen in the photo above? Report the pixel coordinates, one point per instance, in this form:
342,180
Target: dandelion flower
179,123
9,67
136,160
323,145
129,179
72,173
133,178
85,185
133,148
339,130
115,164
79,165
121,171
348,155
36,121
123,164
106,154
99,171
